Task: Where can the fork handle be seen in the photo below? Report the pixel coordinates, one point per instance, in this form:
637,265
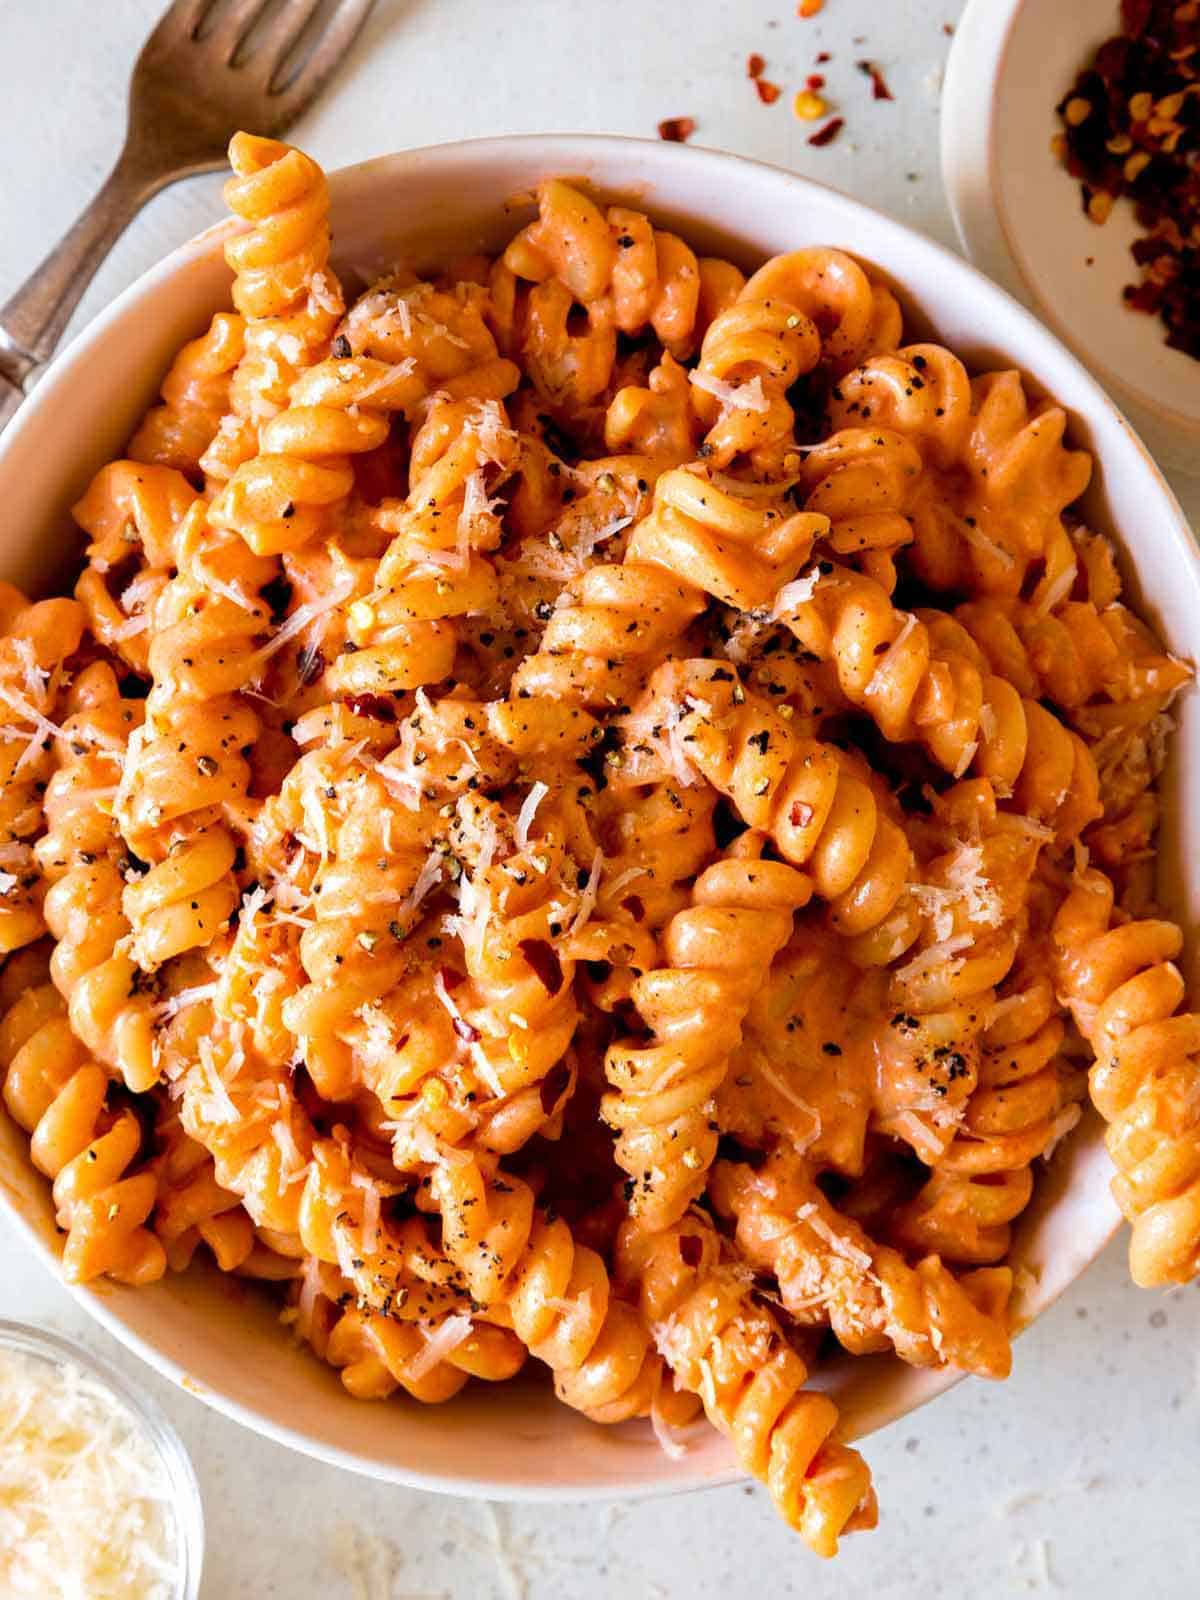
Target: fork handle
32,320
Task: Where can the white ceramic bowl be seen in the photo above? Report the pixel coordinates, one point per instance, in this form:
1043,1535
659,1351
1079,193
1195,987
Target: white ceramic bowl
1019,214
212,1333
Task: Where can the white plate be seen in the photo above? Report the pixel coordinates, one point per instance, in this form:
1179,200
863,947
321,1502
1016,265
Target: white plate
1020,217
214,1334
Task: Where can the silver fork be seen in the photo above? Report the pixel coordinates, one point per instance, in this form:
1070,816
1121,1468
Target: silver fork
209,68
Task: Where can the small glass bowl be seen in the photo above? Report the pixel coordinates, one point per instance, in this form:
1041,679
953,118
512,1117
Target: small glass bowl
183,1508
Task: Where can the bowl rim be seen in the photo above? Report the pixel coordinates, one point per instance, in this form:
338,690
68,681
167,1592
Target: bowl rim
185,1501
1173,532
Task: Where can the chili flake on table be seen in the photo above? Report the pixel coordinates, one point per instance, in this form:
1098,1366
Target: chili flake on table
1131,126
879,84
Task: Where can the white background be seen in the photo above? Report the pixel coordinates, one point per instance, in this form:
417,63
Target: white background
1081,1475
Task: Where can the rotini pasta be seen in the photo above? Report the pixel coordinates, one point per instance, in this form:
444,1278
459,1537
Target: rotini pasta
588,807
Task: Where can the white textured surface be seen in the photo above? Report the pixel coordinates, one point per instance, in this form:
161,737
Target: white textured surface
1082,1474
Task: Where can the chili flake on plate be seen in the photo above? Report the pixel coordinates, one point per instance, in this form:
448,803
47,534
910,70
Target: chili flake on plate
1131,127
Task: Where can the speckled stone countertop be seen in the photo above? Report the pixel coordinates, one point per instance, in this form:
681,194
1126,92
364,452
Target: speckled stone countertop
1081,1475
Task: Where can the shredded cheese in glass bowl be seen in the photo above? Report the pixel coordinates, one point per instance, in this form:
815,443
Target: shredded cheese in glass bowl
97,1496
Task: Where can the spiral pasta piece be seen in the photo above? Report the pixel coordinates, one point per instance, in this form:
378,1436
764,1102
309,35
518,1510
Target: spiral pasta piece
1111,679
435,568
195,398
187,768
699,540
555,1291
192,1208
829,1270
362,903
393,1268
377,1356
518,1002
753,352
655,840
972,906
921,677
805,1075
1002,475
242,1111
1023,1103
131,510
627,275
284,288
35,643
798,791
89,1149
921,392
1125,992
724,1346
85,861
654,419
855,317
716,954
1101,667
378,1353
340,409
865,480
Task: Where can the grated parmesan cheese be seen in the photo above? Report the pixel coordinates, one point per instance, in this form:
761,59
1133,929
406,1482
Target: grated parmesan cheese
672,1447
786,1092
84,1501
966,889
839,1245
185,997
591,892
928,959
427,880
1066,1119
442,1342
43,728
303,616
975,536
797,593
878,678
734,396
528,811
1051,595
476,507
965,760
681,766
135,625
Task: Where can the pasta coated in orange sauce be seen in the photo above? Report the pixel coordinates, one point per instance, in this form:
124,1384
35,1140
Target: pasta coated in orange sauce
536,847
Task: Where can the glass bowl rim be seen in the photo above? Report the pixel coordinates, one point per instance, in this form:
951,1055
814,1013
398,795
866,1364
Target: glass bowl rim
186,1506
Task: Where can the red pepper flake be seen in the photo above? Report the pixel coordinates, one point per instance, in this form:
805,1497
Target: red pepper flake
823,57
829,132
768,93
879,88
754,65
677,130
815,81
809,8
948,29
